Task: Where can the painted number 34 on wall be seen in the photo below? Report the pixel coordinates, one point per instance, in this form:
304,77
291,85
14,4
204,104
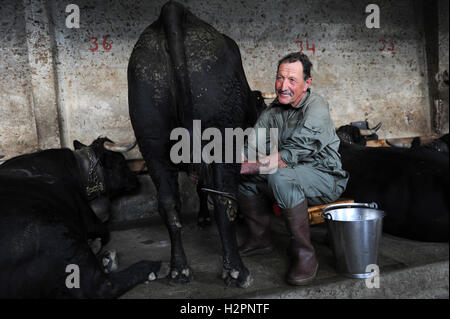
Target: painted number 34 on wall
312,48
105,44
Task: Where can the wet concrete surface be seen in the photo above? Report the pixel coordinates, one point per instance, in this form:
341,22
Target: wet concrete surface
408,269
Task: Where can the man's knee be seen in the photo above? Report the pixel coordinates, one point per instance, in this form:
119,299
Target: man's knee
280,178
285,188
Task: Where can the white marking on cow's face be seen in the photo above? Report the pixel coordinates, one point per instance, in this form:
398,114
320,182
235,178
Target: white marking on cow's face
174,273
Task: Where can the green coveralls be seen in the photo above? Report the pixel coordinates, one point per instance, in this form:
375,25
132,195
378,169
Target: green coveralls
308,144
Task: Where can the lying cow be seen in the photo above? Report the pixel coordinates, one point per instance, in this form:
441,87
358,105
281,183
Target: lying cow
182,69
410,185
439,145
352,134
51,204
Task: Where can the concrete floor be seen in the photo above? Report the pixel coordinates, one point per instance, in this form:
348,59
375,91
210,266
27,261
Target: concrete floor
408,269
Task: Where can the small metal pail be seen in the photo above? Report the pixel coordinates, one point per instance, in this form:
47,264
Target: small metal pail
355,232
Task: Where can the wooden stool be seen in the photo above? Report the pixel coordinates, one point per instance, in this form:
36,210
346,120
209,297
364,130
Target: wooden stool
315,212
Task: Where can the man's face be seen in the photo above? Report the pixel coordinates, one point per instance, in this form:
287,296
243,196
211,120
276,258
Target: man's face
290,85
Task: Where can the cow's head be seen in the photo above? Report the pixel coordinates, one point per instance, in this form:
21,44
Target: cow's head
105,174
353,135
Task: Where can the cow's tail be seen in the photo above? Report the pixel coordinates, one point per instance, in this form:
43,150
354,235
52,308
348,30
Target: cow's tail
173,16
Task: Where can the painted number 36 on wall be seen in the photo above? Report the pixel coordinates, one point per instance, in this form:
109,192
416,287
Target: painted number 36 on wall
105,44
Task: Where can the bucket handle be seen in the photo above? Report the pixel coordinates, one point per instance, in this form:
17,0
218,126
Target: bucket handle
350,205
327,216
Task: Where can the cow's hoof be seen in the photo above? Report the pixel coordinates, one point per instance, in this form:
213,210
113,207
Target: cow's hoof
110,261
204,222
163,271
180,277
95,244
234,278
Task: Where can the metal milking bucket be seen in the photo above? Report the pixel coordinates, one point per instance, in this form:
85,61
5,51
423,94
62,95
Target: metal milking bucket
355,232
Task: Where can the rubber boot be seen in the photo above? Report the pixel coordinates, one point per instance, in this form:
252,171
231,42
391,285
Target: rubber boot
304,265
256,211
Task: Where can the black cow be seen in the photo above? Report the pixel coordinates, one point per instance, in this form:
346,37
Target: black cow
352,134
439,145
410,185
203,218
51,205
182,69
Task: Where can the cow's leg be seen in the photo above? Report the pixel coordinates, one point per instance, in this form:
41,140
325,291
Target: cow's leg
94,283
225,213
165,177
168,209
110,261
86,277
153,104
203,218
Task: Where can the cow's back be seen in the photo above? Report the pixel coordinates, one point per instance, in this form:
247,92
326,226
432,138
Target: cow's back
410,185
182,69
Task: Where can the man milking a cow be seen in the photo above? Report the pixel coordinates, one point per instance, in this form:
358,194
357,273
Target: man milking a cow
306,169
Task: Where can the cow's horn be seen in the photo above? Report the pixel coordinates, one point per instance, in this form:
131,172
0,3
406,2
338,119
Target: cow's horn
119,148
376,128
269,95
398,144
370,131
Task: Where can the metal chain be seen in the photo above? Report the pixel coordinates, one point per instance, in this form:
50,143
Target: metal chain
94,187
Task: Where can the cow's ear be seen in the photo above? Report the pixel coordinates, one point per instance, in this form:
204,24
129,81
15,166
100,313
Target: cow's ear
77,145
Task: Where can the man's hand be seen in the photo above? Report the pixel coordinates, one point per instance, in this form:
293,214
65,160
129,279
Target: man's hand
264,165
271,162
251,167
193,177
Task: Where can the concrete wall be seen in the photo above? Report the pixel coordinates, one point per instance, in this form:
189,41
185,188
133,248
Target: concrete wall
54,88
17,120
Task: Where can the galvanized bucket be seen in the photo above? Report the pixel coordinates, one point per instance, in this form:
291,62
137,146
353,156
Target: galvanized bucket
355,233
